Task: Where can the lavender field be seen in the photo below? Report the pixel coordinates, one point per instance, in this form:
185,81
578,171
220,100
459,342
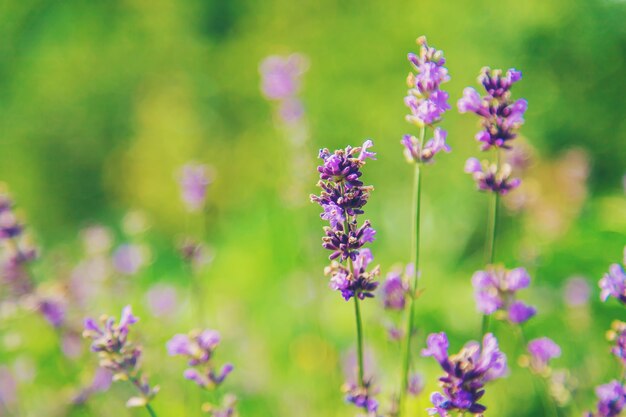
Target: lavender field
238,208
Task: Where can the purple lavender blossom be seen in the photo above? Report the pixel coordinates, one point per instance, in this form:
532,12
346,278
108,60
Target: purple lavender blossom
415,152
617,335
360,283
128,258
541,351
199,348
519,312
489,178
9,226
361,397
425,100
466,373
611,400
280,76
194,180
613,283
395,290
117,354
342,199
501,117
495,290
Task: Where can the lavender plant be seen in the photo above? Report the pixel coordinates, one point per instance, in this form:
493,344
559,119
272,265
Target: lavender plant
120,356
342,198
427,103
500,120
199,348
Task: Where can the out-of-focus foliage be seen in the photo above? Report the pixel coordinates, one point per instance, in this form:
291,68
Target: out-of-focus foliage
102,102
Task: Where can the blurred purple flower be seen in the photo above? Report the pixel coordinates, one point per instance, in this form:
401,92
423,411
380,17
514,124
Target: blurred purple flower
576,292
613,283
194,180
611,400
199,348
416,384
162,300
128,258
541,351
8,385
280,76
53,311
617,334
495,289
71,345
395,290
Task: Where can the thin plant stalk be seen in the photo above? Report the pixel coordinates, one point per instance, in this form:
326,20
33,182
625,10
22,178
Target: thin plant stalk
415,255
357,317
492,230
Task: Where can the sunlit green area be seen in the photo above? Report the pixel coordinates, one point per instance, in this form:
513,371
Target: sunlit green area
101,103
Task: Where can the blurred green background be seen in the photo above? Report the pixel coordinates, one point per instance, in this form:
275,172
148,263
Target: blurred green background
102,102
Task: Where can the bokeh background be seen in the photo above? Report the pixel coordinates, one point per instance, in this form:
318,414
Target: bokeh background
102,102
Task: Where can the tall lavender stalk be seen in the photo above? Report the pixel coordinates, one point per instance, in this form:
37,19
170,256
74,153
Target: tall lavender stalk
427,103
342,198
501,118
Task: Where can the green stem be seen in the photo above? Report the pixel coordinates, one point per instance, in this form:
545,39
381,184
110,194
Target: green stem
415,255
137,384
357,314
359,340
492,230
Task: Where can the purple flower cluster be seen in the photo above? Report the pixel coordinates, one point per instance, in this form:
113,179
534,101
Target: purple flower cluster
495,290
466,373
501,117
613,283
611,400
541,351
489,178
617,335
342,199
361,397
426,101
414,151
395,290
199,348
117,354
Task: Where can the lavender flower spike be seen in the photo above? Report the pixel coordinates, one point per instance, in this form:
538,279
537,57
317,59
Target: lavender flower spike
617,335
425,100
501,117
466,374
414,152
118,354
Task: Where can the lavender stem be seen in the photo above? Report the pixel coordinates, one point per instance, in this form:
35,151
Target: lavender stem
359,344
136,383
491,237
415,254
